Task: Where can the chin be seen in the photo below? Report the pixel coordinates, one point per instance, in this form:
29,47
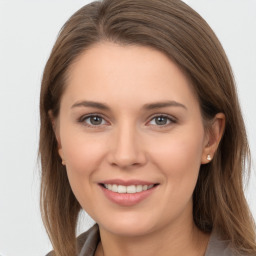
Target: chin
128,225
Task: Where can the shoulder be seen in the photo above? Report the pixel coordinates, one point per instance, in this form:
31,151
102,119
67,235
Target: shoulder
219,247
86,242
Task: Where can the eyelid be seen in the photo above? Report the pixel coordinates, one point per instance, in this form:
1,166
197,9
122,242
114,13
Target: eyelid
171,118
84,117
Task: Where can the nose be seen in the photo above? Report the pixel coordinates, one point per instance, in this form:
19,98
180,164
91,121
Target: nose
126,148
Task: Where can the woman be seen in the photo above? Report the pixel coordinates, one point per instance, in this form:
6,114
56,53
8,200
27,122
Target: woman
141,127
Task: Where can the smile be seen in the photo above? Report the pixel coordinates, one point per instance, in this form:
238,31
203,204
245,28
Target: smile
128,193
127,189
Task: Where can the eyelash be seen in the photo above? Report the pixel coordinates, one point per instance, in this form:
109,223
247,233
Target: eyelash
82,119
171,120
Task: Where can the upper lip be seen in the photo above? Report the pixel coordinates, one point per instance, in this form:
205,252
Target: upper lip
127,182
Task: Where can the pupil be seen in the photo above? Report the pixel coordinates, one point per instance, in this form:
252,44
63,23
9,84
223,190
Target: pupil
96,120
161,120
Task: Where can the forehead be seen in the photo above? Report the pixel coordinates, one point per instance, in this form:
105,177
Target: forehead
138,74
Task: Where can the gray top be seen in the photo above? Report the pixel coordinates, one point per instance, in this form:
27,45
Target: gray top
88,241
218,247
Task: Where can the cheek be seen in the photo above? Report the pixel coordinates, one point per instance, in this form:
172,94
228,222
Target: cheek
82,152
178,157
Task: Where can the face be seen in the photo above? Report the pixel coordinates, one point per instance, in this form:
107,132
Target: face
132,138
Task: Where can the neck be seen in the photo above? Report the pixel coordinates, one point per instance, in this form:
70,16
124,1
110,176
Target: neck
171,240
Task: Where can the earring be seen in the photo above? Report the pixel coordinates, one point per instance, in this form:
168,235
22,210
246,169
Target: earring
209,157
63,162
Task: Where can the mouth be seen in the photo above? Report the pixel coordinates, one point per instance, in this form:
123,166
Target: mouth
131,189
128,193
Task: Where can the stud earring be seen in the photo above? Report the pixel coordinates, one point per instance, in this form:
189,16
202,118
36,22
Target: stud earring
209,158
63,162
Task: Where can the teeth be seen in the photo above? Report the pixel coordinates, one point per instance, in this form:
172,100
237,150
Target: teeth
131,189
127,189
114,188
139,188
121,189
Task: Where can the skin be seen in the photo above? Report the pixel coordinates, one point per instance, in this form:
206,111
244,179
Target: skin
129,143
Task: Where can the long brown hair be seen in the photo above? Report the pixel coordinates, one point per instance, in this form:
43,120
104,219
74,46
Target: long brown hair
178,31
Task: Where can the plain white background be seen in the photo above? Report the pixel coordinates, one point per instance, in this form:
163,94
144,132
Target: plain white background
28,30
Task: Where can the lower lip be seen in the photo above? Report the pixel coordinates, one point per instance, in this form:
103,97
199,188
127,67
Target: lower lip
126,199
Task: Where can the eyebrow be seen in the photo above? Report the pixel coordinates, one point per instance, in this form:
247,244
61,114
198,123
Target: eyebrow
92,104
164,104
149,106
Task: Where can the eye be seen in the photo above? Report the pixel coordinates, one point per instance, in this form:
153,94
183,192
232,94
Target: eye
161,120
93,120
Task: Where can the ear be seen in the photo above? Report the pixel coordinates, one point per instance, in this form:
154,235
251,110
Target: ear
55,128
213,138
